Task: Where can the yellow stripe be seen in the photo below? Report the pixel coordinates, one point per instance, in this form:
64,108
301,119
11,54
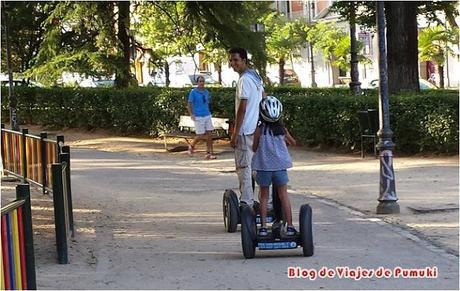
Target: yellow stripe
2,285
17,257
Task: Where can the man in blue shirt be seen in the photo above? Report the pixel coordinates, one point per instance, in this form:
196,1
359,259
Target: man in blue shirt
198,108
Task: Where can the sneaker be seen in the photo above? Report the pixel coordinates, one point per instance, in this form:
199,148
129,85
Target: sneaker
290,231
190,150
263,231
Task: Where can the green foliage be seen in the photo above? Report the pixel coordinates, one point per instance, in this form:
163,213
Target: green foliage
425,121
26,32
365,11
161,27
435,42
79,37
284,38
228,23
334,44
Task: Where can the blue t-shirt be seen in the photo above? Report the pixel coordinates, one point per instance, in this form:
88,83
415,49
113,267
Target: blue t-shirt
200,102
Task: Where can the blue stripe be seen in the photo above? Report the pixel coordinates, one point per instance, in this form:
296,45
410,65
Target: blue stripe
9,231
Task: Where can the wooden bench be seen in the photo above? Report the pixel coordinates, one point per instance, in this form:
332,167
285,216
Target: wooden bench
186,129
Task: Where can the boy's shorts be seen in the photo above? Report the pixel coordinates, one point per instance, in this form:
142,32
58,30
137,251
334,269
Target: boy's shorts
278,178
203,124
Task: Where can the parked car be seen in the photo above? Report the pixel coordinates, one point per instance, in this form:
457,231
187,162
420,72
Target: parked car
208,79
290,78
424,84
105,83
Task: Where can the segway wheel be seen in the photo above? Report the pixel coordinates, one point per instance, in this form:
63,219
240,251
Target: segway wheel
230,210
248,232
306,230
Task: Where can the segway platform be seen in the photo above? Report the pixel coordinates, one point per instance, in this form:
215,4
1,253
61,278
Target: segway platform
275,241
231,211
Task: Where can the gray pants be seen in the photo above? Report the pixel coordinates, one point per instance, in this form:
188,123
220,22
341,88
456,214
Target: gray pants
243,160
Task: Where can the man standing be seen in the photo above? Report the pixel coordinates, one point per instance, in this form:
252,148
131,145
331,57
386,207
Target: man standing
249,91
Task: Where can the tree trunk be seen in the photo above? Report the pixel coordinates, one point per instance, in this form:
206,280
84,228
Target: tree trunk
450,18
441,76
402,46
219,72
167,74
312,67
122,76
281,64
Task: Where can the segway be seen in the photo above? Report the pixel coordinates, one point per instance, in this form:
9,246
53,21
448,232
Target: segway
231,210
275,241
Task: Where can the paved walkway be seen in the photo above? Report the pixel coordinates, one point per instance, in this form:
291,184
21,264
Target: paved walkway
150,220
155,222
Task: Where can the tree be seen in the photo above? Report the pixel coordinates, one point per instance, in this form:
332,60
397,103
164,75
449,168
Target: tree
123,74
402,49
228,22
434,46
25,19
430,8
401,19
333,43
161,29
342,53
81,37
216,54
94,38
284,39
176,28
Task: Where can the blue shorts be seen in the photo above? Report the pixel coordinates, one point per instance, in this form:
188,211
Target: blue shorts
278,178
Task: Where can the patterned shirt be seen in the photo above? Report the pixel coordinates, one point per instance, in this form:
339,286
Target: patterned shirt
272,153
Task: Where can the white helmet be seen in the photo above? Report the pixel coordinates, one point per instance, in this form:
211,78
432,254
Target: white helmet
271,109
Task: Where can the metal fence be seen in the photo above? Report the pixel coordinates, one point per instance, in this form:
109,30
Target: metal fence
17,245
30,157
63,209
44,163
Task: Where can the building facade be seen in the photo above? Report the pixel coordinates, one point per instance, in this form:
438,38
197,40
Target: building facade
327,75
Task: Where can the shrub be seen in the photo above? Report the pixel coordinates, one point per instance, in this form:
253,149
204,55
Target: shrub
421,121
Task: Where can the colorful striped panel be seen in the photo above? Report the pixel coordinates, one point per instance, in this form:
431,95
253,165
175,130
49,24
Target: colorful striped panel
2,272
16,250
10,250
5,254
22,249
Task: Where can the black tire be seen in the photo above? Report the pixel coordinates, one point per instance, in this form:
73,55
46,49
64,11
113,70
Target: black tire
306,230
230,210
248,232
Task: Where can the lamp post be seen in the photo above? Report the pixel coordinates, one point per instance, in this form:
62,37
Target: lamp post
310,48
355,85
387,199
11,96
260,62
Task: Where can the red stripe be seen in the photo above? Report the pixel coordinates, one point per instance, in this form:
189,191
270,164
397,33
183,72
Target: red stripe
5,254
22,249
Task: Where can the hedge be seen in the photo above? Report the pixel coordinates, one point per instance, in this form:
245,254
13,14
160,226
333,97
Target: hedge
423,121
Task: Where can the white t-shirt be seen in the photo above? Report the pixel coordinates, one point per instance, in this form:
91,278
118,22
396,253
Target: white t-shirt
248,89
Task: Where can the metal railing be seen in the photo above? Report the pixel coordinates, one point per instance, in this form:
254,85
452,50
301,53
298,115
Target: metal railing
17,245
63,209
44,163
30,157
